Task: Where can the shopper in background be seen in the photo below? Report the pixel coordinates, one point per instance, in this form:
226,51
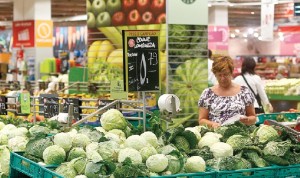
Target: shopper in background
281,71
249,79
226,99
211,77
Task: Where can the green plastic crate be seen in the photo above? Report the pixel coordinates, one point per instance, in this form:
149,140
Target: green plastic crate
22,167
277,116
266,172
291,171
49,173
208,174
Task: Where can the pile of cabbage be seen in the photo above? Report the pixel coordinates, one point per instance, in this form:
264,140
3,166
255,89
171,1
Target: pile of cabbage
15,138
117,149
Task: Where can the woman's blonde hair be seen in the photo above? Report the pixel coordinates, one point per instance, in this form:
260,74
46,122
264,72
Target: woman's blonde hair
222,63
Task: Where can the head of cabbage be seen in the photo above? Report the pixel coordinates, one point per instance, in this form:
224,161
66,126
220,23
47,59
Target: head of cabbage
113,119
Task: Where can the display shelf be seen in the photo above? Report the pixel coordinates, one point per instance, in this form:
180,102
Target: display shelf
283,97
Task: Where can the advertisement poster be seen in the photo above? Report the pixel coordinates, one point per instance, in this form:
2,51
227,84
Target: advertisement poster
218,37
23,33
43,33
5,40
73,38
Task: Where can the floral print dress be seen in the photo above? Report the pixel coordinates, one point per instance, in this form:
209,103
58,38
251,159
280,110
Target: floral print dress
221,108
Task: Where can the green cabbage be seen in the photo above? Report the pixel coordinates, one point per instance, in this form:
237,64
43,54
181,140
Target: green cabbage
157,163
151,138
81,140
113,119
147,151
99,169
108,150
195,164
131,153
266,133
63,140
54,155
135,141
66,170
4,160
17,143
75,153
221,149
79,164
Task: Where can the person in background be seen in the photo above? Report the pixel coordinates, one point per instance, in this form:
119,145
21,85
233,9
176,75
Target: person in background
211,77
281,71
226,99
255,82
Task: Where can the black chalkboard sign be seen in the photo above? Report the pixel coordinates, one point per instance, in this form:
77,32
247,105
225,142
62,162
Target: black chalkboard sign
66,103
3,105
141,60
50,106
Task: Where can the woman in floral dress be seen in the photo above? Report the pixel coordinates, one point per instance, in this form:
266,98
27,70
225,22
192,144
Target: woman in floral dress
226,99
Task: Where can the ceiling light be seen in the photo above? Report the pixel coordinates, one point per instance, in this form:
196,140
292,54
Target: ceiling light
232,35
255,34
250,31
245,35
280,34
252,12
259,38
209,5
237,30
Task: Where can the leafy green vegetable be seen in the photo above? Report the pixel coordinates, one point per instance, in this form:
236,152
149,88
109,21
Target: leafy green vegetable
277,148
113,119
54,155
39,130
195,164
127,170
91,132
63,140
238,142
157,163
203,152
276,160
66,170
255,159
109,150
76,153
229,163
36,146
101,168
4,160
266,133
238,128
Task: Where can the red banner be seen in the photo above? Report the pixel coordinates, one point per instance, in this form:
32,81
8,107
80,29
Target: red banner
23,33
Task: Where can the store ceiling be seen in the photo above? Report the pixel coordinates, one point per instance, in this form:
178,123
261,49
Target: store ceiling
241,13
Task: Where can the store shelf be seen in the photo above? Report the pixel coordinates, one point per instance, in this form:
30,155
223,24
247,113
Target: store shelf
283,97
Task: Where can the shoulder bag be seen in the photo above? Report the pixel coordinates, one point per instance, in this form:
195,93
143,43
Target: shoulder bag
260,109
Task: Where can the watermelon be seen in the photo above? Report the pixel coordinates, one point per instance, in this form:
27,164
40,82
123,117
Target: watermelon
188,83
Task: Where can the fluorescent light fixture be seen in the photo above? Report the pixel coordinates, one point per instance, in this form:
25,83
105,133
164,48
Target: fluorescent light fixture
232,35
237,30
252,12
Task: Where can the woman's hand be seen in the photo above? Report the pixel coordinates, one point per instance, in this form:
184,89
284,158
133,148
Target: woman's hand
215,125
248,120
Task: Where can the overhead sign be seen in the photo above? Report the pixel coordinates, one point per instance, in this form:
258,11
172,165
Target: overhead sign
267,21
23,33
141,60
44,33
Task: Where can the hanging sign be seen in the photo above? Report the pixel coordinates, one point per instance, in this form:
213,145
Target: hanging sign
44,33
267,20
141,60
23,33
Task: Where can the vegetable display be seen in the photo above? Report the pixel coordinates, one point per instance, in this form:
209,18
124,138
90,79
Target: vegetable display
154,152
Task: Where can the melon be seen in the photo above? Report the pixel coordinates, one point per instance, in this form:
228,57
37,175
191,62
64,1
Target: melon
189,81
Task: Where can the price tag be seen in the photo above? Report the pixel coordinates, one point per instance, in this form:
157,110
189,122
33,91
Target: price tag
141,60
117,90
50,105
104,102
3,105
24,99
66,103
